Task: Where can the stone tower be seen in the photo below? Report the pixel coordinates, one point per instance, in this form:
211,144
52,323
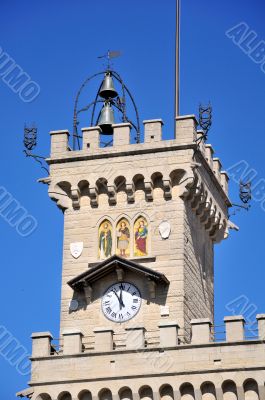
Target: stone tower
140,225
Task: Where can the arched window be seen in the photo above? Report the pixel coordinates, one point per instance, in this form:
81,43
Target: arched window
125,394
187,392
146,393
208,391
251,390
105,239
123,235
141,237
85,395
105,394
43,396
65,396
229,390
166,392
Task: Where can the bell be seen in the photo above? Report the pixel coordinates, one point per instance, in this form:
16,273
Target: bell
106,119
107,90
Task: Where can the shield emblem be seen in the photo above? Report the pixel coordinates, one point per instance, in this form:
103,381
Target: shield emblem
76,249
164,229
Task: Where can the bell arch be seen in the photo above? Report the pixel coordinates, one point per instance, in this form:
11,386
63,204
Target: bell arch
229,390
187,391
208,391
146,393
166,392
251,390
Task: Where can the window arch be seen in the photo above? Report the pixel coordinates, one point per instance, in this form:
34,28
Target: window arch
146,393
141,236
125,394
187,392
123,234
208,391
105,394
43,396
166,392
85,395
251,390
65,396
229,390
105,240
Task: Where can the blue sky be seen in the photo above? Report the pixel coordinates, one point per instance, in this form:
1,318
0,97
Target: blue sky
57,44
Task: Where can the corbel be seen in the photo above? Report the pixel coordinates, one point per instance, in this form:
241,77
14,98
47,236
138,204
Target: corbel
130,190
120,274
151,288
93,192
88,291
112,191
75,195
167,189
149,191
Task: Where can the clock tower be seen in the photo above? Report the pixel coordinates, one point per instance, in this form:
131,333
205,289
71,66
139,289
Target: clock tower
140,224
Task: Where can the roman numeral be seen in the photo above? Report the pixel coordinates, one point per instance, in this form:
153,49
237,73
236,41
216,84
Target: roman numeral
134,307
134,294
114,315
135,300
106,303
128,314
120,316
108,310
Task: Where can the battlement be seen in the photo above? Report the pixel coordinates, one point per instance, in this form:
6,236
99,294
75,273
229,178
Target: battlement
105,339
79,364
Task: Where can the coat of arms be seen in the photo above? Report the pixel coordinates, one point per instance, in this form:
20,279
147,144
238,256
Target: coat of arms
76,249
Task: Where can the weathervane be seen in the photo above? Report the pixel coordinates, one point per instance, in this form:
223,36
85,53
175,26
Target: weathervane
30,142
109,98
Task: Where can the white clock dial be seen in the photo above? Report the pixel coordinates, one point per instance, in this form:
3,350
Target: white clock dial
121,302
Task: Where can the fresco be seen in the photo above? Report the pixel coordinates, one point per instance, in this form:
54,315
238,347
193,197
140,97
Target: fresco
105,240
140,237
123,238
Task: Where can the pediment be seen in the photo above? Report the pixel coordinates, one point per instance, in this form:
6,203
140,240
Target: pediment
120,265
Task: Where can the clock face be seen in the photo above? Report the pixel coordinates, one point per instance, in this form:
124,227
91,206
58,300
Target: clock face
121,302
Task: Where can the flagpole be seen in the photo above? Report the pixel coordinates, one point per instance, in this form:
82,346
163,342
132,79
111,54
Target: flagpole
177,64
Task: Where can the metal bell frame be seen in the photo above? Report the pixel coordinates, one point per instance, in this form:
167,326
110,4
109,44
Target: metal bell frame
119,103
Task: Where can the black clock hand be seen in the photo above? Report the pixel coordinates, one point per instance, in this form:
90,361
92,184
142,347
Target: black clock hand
119,299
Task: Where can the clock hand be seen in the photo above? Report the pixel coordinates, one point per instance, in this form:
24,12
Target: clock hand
121,299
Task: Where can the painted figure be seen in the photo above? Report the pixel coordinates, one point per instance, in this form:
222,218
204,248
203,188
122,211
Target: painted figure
123,239
105,241
141,233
